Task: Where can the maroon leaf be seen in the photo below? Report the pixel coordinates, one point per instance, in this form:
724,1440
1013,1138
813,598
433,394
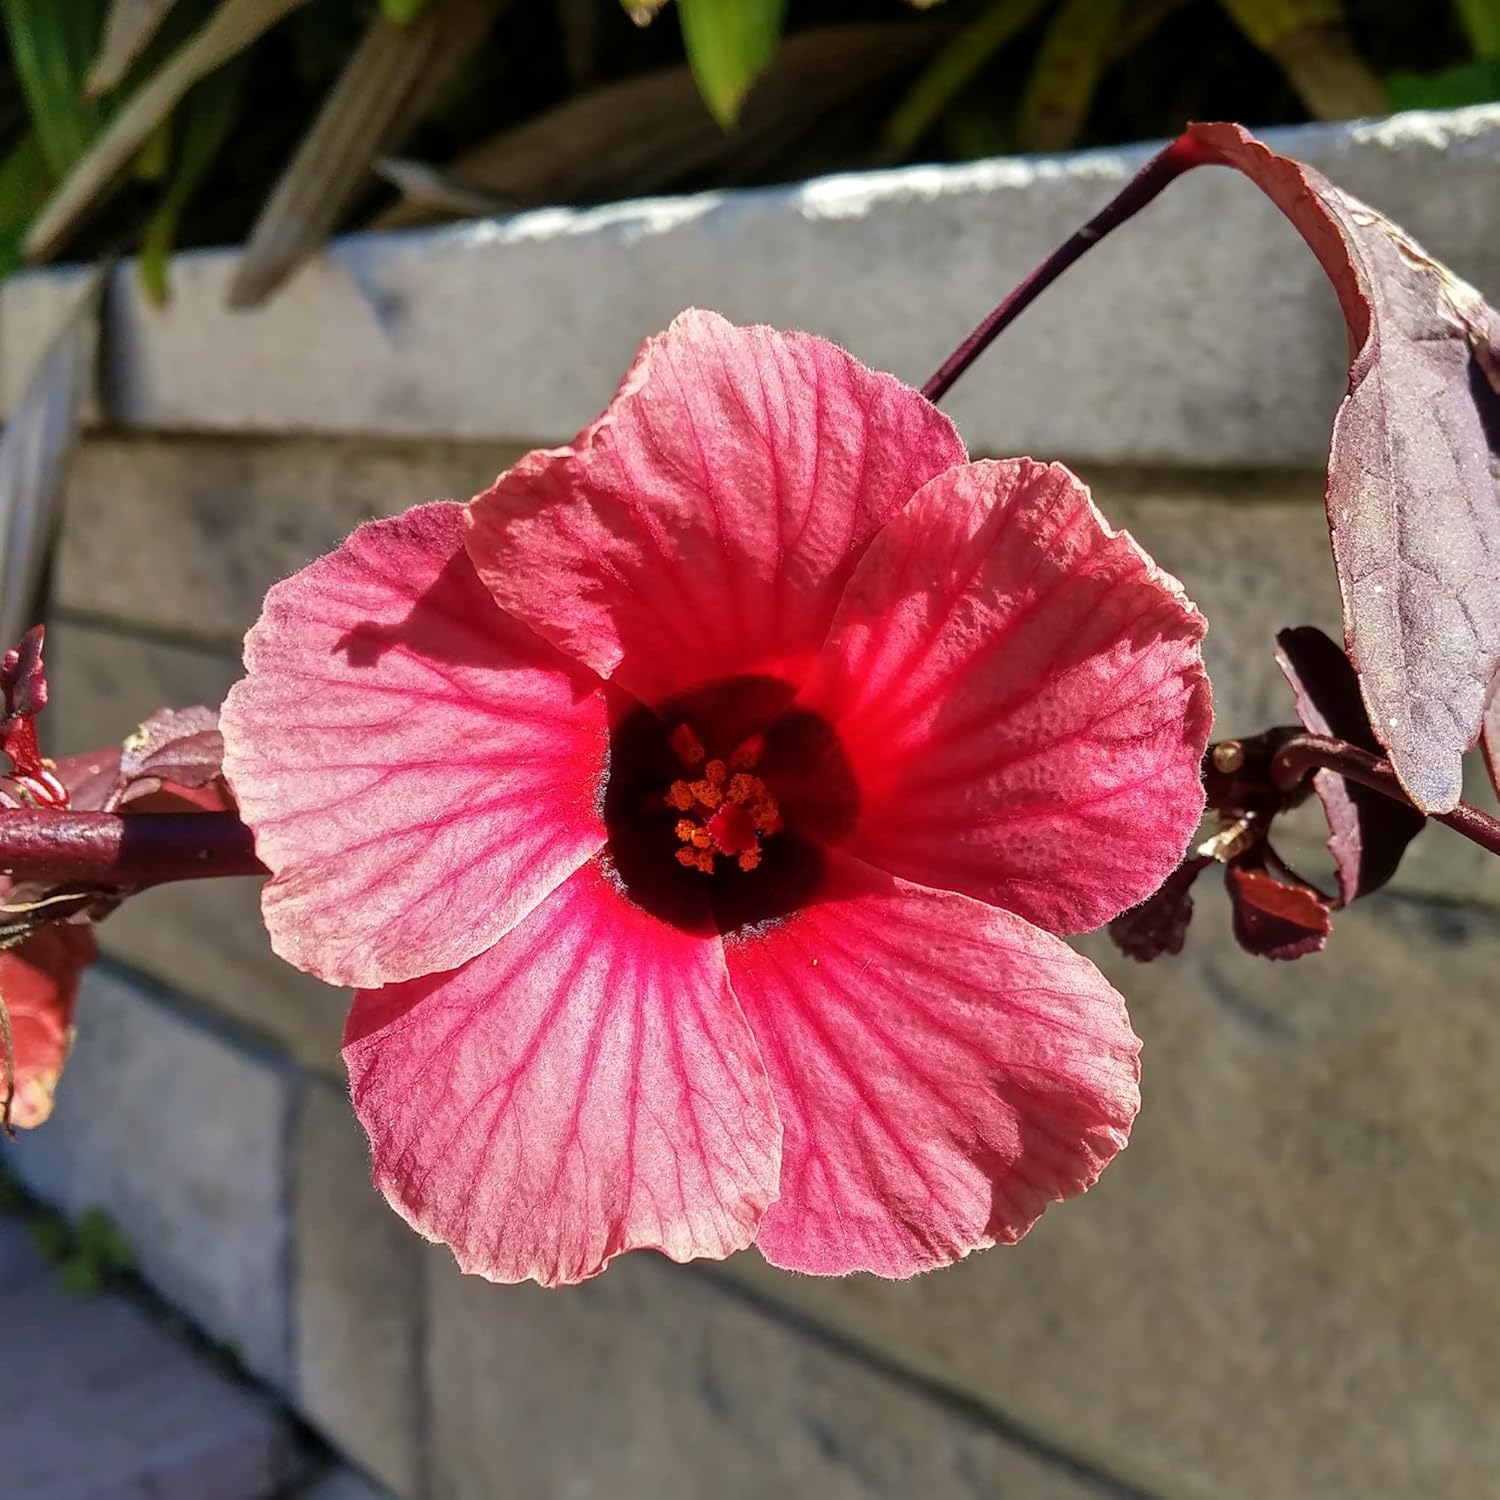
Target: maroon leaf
172,763
1367,831
1492,734
1159,924
151,795
90,780
1412,496
21,673
24,686
1274,919
180,745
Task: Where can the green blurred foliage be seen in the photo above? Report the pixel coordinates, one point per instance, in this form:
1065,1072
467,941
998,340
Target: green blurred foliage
1475,82
208,115
1481,20
52,45
982,77
88,1256
728,43
24,184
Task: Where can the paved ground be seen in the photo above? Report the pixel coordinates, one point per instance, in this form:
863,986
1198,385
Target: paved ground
338,1484
102,1403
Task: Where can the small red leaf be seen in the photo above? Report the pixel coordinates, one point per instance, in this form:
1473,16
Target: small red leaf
1274,919
1159,925
174,761
1367,831
24,686
1412,501
176,744
39,988
21,673
91,779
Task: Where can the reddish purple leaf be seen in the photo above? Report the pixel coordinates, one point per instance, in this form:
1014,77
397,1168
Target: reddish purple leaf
182,746
1367,832
91,779
1412,499
171,763
25,691
1412,494
1159,925
1492,734
21,674
1274,919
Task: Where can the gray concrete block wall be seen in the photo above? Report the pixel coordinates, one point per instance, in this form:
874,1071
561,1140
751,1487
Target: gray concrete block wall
1284,1288
357,1301
1202,332
1279,1290
178,1129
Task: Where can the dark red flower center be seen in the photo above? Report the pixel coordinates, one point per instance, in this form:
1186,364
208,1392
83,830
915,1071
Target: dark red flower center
731,781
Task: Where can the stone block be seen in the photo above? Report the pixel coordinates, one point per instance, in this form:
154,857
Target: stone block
651,1381
1285,1287
1201,333
358,1298
105,679
204,938
186,534
103,1404
178,1131
1252,551
341,1484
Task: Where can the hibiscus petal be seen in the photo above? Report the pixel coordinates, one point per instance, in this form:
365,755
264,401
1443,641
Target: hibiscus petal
419,770
705,525
943,1070
588,1086
1020,693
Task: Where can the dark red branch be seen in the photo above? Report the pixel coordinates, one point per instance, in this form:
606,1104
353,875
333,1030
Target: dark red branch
1178,158
109,852
1303,754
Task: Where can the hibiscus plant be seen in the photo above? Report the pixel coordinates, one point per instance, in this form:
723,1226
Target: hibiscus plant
699,811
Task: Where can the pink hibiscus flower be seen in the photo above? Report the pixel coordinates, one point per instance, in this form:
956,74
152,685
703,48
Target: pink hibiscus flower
694,811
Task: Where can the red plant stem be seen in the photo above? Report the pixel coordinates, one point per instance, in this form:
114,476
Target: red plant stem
1305,753
1162,169
106,851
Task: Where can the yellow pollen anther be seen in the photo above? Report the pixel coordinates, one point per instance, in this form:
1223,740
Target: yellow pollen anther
707,793
722,807
744,789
